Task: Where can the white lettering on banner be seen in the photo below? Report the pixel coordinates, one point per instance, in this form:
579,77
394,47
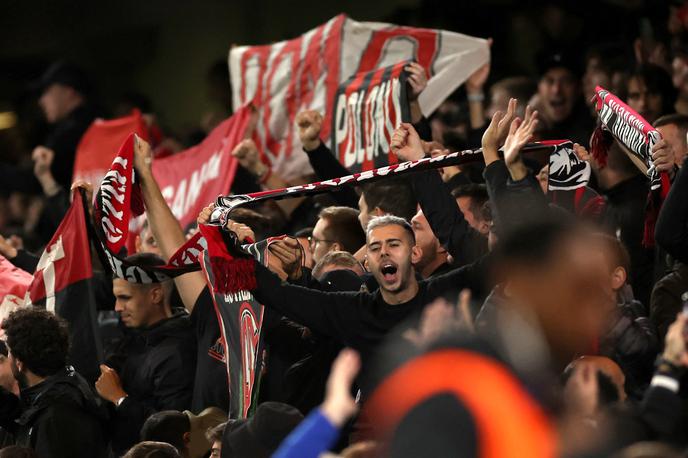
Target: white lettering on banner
364,122
50,256
113,187
182,197
239,296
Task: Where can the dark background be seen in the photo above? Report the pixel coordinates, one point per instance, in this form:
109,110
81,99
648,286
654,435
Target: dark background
164,49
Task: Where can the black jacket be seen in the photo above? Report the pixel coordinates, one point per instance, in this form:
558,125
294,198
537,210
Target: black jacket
60,417
156,366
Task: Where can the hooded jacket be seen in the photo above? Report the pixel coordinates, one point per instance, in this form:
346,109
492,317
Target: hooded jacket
59,417
156,366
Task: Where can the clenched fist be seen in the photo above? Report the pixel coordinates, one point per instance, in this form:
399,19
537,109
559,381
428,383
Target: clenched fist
406,143
42,160
248,156
309,123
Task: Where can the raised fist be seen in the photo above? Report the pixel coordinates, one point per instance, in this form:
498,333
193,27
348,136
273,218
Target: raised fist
309,123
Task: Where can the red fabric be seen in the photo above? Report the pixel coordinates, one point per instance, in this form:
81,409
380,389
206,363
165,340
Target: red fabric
232,272
101,142
66,259
192,178
14,282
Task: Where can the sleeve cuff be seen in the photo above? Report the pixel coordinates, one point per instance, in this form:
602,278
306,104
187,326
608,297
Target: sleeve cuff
665,381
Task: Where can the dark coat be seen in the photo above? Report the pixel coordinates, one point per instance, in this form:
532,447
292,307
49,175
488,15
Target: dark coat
61,417
156,366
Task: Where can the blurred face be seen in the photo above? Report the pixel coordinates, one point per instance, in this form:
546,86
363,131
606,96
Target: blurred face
319,245
677,139
138,305
390,256
465,204
7,380
426,241
567,294
146,243
56,102
647,104
592,79
216,449
557,93
499,101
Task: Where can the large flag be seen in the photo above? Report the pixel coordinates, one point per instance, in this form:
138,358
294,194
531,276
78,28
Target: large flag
285,78
100,143
14,283
63,284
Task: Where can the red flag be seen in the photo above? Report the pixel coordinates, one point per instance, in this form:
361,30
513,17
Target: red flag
100,144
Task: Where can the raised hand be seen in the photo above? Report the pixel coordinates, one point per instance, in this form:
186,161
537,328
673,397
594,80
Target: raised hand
476,82
286,257
242,231
7,248
520,132
417,79
204,215
309,123
339,405
496,133
248,156
406,143
663,156
675,351
109,385
143,156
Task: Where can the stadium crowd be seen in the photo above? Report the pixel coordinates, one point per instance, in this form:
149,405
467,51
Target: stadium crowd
465,311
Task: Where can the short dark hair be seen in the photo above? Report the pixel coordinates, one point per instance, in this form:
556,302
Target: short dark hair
146,260
343,227
393,196
533,244
618,251
215,433
39,339
477,193
336,258
167,426
151,449
678,119
658,81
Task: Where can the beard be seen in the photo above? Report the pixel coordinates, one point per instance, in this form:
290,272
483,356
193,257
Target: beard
19,376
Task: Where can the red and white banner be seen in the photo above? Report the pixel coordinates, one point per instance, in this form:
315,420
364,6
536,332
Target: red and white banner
100,143
193,178
14,282
285,78
368,107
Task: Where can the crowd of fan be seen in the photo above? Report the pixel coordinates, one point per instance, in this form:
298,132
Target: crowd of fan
460,312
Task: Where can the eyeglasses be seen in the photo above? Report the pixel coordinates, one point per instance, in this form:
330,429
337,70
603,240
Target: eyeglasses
312,241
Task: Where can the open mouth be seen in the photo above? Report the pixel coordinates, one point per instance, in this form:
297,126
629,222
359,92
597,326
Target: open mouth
389,272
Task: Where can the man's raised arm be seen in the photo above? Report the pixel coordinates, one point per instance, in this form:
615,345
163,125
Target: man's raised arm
166,229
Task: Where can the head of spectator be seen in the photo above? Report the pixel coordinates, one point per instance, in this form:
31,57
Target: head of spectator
550,259
470,199
337,260
304,238
614,257
387,197
337,229
558,87
674,129
261,435
391,254
214,436
142,304
517,87
651,92
38,344
7,380
184,430
150,449
259,224
15,451
64,87
610,369
145,242
433,254
619,166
